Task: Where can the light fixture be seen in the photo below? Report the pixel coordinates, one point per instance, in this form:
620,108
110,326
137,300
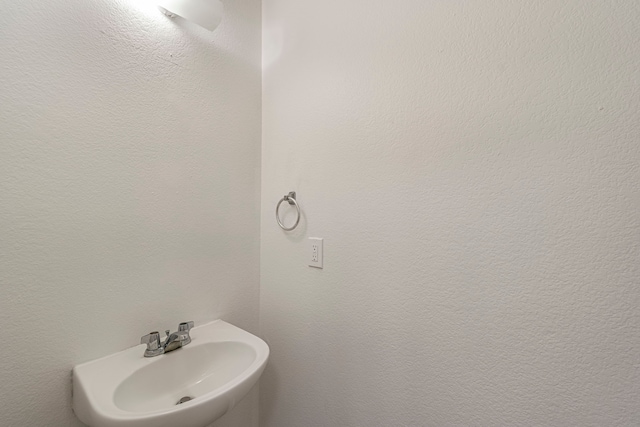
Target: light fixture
206,13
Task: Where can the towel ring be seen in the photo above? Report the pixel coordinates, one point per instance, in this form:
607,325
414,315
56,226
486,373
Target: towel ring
291,198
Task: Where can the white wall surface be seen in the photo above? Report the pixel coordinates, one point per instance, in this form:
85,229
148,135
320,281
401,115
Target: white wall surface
129,187
474,168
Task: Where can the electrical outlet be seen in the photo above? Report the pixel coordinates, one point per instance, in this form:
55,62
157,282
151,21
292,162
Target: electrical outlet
315,252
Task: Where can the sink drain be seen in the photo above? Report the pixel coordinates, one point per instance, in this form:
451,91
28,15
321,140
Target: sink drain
184,399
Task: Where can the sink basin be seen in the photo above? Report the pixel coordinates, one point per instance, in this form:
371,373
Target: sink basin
189,387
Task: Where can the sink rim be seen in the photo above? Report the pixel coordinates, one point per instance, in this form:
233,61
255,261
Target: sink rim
94,391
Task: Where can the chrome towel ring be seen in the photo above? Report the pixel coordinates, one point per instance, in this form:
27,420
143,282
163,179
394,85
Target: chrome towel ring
291,198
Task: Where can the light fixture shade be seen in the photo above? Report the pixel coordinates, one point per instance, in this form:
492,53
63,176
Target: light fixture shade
206,13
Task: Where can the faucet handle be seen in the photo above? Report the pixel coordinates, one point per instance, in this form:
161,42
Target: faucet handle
152,340
185,327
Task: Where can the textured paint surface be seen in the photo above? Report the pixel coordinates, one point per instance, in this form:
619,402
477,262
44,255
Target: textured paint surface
474,169
129,187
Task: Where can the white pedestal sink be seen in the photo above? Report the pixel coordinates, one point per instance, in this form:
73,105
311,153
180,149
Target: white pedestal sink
209,376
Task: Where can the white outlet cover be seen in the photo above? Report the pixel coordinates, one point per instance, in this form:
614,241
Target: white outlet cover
315,252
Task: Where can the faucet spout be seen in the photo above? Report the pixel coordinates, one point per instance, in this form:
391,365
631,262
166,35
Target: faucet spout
172,342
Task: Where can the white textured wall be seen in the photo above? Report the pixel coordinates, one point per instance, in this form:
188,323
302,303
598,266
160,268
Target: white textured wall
129,187
474,170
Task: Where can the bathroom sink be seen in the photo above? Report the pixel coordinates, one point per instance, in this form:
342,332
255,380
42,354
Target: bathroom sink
189,387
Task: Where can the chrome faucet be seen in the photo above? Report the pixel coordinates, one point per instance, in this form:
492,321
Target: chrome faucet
173,341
